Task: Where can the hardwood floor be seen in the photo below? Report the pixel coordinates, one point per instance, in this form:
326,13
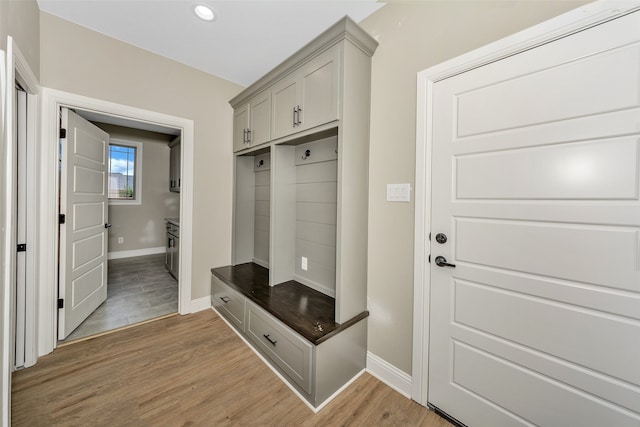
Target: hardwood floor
187,370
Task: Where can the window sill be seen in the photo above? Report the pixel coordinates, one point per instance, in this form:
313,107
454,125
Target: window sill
113,202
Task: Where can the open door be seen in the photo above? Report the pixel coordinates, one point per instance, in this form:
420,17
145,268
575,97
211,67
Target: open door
83,229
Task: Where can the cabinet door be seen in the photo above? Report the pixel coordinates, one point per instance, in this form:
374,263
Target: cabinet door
240,125
284,100
319,81
172,172
175,259
176,166
260,119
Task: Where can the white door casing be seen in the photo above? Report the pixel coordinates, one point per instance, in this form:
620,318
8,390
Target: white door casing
14,68
535,181
83,236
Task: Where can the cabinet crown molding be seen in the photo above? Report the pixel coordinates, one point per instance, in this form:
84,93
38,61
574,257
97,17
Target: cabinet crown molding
344,29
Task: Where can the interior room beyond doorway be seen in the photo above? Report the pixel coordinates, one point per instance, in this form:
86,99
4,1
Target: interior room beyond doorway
139,287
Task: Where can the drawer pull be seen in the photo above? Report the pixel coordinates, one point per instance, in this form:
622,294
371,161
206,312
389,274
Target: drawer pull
269,339
225,299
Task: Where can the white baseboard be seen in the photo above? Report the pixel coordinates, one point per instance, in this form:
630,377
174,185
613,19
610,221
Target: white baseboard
200,304
390,375
136,252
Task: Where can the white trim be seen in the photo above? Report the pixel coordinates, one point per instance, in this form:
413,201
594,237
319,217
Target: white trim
561,26
136,252
137,191
201,304
51,103
395,378
5,262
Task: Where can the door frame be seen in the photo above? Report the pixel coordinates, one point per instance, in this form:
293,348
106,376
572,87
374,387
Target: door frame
561,26
52,101
15,68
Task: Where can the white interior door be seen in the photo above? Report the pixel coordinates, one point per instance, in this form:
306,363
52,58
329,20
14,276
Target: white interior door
83,236
536,184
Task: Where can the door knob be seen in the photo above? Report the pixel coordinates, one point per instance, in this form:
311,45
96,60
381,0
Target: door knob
107,225
442,262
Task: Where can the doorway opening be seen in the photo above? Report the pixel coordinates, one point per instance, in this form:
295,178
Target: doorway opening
48,263
119,269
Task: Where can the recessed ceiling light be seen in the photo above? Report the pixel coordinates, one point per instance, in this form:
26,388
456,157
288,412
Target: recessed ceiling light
204,12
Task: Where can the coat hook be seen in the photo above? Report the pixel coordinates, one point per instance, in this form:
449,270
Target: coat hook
261,163
306,154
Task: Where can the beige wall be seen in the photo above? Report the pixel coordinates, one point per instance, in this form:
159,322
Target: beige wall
142,226
21,20
81,61
414,36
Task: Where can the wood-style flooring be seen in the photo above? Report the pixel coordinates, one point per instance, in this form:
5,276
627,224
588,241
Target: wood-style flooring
187,370
138,289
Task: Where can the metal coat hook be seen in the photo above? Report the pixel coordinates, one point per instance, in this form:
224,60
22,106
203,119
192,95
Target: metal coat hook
261,163
306,154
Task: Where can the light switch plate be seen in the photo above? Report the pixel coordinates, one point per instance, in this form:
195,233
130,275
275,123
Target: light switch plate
398,192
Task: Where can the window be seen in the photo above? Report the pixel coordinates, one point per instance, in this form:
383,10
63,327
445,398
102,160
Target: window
125,172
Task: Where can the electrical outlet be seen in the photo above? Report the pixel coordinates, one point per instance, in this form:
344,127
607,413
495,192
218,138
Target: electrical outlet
304,263
120,239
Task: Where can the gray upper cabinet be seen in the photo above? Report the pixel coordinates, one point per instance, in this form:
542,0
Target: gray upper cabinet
309,97
252,122
240,126
174,166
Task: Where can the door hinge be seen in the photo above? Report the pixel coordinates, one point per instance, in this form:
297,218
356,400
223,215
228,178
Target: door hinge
62,218
63,133
60,303
22,247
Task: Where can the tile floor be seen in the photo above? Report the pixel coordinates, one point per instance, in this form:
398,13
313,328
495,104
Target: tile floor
138,289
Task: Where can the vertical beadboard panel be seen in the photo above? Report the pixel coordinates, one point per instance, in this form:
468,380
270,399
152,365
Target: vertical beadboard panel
316,197
262,200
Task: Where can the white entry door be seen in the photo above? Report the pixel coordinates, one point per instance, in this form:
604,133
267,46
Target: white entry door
83,236
536,185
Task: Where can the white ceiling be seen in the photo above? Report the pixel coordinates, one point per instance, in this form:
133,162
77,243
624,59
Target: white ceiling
246,40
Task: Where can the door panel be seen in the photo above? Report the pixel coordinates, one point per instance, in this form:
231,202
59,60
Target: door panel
260,111
490,108
604,169
573,252
284,100
536,182
83,240
320,90
240,124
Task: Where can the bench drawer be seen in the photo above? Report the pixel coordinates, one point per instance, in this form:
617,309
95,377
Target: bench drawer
228,302
285,348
